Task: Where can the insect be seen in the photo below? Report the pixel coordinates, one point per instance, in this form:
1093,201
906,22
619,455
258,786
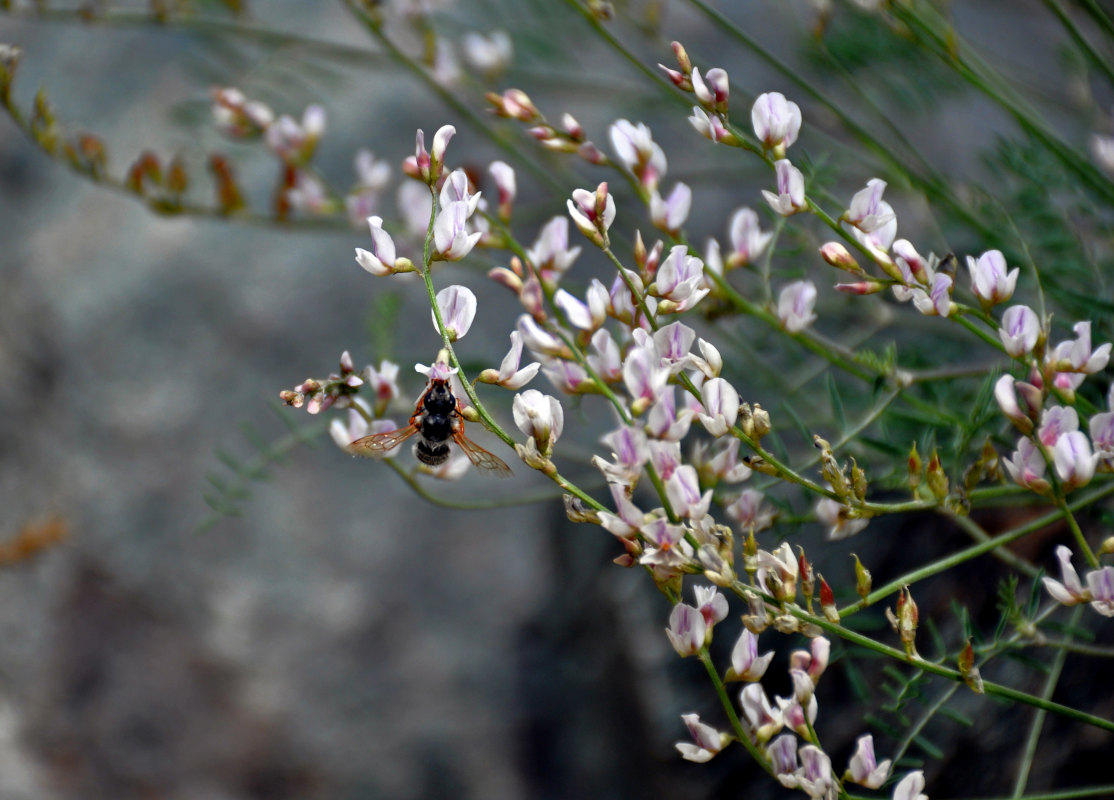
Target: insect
436,420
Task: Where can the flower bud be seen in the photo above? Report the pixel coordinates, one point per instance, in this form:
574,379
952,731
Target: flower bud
916,468
827,602
968,669
840,257
904,622
863,580
936,478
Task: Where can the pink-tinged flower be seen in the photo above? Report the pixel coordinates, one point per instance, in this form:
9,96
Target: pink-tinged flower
1020,330
509,375
687,630
540,417
437,371
712,90
636,149
458,308
567,377
644,376
670,214
837,517
910,787
782,754
551,254
1055,422
912,264
724,463
776,121
814,661
451,238
763,721
381,259
236,116
1079,354
710,126
673,343
680,280
790,197
605,358
1102,434
441,141
667,554
683,490
665,457
294,142
1073,459
748,510
538,339
707,741
415,205
344,434
383,383
1026,466
628,519
372,178
814,778
1100,585
505,182
458,188
593,213
937,301
489,54
792,712
1068,591
665,422
629,451
1011,395
746,664
578,313
748,240
992,280
864,768
868,211
711,603
795,304
721,406
782,566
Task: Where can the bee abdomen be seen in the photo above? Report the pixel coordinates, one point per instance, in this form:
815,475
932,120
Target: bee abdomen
431,453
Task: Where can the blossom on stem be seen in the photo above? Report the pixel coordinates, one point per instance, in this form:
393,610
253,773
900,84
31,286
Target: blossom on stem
667,552
1073,459
1020,402
1078,356
776,122
670,214
864,768
749,512
707,741
629,451
782,753
711,126
764,722
790,197
837,516
687,630
451,238
748,240
868,211
795,304
1026,466
644,377
505,182
509,375
457,305
1100,584
683,490
540,417
721,406
746,664
1068,591
489,54
381,259
910,787
1020,330
679,281
712,90
458,187
711,604
551,255
1055,422
992,281
814,778
593,213
636,149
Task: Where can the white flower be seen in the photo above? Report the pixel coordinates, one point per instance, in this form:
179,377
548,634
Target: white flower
776,121
450,231
540,417
795,304
380,260
458,309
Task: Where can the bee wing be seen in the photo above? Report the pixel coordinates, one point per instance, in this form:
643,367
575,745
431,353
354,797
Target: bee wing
480,457
378,444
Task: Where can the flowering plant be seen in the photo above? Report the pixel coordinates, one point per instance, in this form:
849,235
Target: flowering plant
767,395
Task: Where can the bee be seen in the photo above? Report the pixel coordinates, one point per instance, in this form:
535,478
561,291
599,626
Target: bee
437,419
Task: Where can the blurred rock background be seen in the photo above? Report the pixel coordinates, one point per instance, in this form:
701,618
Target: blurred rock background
342,638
